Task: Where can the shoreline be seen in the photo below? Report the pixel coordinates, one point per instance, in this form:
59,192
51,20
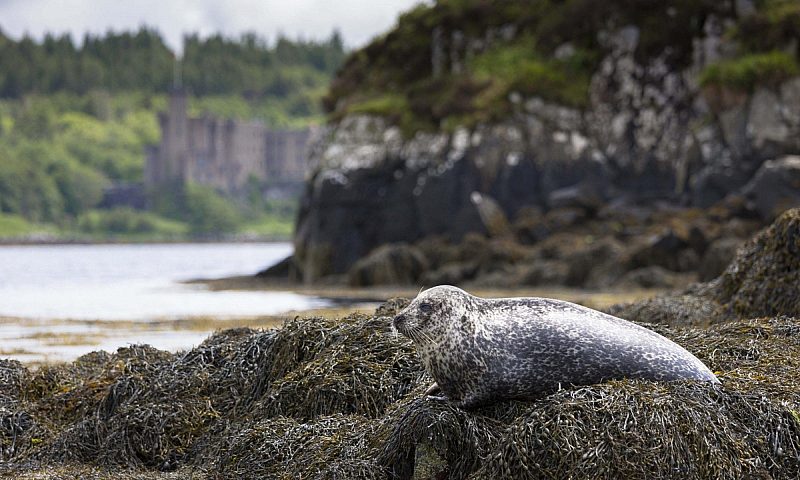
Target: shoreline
15,242
48,341
343,294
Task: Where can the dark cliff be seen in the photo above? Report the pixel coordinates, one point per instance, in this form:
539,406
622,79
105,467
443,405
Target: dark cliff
575,104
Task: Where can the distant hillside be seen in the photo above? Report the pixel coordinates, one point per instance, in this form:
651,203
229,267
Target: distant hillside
456,62
75,120
141,61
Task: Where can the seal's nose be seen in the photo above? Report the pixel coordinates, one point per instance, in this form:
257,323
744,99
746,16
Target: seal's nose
399,321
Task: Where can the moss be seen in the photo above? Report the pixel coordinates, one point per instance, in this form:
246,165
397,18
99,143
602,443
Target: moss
519,67
749,71
384,105
775,25
399,63
392,106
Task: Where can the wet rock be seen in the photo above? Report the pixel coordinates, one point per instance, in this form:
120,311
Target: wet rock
586,195
561,218
454,273
280,270
653,277
711,184
666,250
717,258
393,264
595,265
697,239
775,187
543,272
529,226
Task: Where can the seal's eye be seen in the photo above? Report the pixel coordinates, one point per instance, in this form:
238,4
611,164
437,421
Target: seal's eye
426,308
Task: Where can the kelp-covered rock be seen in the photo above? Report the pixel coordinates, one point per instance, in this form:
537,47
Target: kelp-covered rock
145,408
228,408
683,308
762,280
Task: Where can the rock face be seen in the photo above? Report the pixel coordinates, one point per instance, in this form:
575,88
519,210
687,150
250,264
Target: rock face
649,133
775,186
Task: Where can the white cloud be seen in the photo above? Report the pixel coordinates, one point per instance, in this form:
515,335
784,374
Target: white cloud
358,20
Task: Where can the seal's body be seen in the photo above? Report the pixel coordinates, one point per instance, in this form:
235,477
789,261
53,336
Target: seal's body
483,350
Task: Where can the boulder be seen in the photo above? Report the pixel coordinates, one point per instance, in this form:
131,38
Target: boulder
280,270
713,182
392,264
666,250
594,265
586,195
775,186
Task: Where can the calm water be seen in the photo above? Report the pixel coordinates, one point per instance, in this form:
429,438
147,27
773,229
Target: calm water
51,297
137,282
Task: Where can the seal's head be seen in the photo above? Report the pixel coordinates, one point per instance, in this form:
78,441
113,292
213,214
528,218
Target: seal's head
435,313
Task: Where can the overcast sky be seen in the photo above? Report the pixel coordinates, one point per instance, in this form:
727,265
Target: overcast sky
358,20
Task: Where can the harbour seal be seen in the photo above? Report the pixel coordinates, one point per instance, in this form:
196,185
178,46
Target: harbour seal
483,350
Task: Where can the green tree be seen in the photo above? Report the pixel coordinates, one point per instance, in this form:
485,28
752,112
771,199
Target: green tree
209,213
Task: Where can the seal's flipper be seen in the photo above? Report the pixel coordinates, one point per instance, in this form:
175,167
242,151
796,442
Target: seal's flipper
433,390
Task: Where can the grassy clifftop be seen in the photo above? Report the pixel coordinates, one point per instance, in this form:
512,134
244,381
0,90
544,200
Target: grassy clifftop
458,61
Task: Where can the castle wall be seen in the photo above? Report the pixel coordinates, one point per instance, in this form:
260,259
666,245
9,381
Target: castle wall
223,154
287,153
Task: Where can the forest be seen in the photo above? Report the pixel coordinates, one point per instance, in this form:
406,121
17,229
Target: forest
76,118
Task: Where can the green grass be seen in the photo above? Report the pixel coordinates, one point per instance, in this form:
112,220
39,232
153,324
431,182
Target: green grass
269,226
392,106
519,67
15,226
389,104
749,71
126,221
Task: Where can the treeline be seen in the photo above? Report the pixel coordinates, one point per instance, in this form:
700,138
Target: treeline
141,61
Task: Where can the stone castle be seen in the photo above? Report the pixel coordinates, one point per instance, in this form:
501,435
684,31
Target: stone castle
224,154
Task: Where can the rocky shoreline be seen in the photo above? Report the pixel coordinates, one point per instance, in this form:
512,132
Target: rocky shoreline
344,399
677,119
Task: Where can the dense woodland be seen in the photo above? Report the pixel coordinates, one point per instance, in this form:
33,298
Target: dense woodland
118,62
76,118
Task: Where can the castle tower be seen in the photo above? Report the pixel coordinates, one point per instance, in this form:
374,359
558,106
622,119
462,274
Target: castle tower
176,138
167,163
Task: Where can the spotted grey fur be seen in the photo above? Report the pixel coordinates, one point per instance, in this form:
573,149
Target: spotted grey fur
483,350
